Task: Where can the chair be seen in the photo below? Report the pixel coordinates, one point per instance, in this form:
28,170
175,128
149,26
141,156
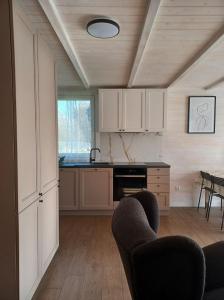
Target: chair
216,181
173,267
205,177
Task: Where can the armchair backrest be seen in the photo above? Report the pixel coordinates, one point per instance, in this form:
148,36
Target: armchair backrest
131,228
165,268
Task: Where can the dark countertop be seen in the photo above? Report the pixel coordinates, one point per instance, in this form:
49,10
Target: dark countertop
114,165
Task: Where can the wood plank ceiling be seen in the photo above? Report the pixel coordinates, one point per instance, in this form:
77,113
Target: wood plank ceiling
181,31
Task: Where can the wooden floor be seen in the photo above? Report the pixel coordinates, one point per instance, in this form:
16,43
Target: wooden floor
87,265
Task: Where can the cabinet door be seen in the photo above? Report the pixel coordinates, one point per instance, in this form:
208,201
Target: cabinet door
47,116
69,189
28,250
133,110
110,106
26,113
48,227
155,110
163,200
96,188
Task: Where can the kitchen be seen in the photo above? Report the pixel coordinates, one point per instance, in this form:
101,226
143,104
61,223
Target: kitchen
145,114
100,106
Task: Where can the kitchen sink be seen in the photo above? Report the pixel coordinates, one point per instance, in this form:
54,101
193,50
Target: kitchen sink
101,163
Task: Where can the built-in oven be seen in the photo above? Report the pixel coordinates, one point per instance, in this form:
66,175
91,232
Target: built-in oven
128,181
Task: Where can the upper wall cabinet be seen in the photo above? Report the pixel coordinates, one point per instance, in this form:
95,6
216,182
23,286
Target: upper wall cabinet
155,110
132,110
47,117
110,110
28,179
133,113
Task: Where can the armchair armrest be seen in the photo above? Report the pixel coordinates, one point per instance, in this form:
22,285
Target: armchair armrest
169,268
214,260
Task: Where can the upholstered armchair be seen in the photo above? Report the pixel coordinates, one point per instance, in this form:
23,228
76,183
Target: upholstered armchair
172,267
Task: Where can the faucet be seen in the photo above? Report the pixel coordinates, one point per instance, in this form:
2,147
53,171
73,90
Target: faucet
91,159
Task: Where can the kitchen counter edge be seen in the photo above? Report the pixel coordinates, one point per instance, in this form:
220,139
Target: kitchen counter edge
115,165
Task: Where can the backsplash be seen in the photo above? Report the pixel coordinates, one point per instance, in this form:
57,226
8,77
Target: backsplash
130,147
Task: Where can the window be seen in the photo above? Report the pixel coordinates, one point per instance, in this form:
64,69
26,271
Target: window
75,128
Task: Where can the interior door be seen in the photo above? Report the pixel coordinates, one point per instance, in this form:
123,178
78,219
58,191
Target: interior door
28,184
133,110
110,106
47,116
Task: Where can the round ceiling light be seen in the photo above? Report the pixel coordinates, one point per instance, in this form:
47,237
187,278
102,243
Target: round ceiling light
103,28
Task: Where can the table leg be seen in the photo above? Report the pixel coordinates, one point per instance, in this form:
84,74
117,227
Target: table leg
207,193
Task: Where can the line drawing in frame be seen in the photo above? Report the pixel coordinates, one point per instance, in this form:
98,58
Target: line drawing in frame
201,114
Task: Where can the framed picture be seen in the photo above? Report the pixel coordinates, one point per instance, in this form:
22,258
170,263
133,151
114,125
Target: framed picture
201,114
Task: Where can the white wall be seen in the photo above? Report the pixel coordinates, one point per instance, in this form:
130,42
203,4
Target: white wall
189,153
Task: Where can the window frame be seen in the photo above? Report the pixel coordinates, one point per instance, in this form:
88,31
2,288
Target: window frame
73,157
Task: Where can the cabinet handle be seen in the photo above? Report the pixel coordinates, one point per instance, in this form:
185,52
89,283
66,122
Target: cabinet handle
40,194
146,130
41,201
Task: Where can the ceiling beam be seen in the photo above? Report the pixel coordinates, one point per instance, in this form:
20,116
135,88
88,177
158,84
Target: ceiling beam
199,57
215,84
144,39
55,20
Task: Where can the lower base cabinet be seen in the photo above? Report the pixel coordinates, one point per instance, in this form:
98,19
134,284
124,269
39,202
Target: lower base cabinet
86,189
96,188
38,241
158,182
69,189
163,200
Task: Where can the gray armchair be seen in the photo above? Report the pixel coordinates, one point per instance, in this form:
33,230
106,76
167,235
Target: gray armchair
173,267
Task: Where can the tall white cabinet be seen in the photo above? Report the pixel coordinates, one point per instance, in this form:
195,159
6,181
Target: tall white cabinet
132,110
47,117
37,155
26,110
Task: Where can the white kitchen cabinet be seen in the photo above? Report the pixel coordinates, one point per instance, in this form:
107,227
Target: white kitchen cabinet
133,112
110,110
48,227
38,241
69,189
27,144
28,251
47,117
96,188
158,182
155,110
36,152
